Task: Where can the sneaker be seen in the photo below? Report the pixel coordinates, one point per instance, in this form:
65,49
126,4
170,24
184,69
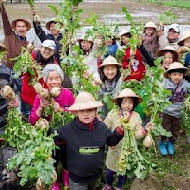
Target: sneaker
171,150
107,187
162,148
55,186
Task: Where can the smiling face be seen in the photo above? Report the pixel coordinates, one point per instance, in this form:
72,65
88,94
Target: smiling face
149,31
172,34
108,42
86,116
167,60
186,42
110,71
125,39
21,28
127,104
176,77
46,52
86,45
53,80
53,30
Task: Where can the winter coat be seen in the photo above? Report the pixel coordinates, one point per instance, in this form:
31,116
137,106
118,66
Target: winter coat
65,99
112,121
86,148
179,93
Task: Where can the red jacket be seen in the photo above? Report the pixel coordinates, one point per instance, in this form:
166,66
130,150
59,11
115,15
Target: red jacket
28,93
136,65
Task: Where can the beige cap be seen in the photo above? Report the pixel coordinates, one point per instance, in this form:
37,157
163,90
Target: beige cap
160,52
184,36
174,66
28,25
150,25
124,32
127,93
110,60
84,101
52,20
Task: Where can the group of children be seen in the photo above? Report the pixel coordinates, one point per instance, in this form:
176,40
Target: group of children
83,141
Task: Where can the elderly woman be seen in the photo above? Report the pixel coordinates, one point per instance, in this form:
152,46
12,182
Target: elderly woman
53,76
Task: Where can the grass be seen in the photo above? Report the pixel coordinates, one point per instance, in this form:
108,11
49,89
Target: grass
171,3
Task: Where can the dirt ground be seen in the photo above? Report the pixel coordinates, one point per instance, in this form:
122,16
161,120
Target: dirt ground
140,11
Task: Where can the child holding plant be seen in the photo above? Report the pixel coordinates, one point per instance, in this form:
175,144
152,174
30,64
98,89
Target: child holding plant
110,75
86,138
172,116
53,76
150,38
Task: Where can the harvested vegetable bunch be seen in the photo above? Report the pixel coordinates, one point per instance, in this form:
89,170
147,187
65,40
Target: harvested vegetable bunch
25,64
186,116
33,161
131,161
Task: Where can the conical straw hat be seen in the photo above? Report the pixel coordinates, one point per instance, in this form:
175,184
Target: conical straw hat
84,101
185,35
127,93
110,60
174,66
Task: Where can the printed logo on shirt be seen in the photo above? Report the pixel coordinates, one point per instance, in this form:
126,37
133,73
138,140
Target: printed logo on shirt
88,150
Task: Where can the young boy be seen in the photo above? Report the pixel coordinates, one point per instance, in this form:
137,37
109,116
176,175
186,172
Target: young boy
171,118
86,138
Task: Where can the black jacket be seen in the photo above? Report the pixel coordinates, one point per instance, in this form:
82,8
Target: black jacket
86,149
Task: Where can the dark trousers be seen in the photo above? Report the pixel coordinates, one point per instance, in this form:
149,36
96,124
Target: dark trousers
171,124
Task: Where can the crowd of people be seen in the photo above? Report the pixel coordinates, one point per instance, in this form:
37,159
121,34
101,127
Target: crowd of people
83,141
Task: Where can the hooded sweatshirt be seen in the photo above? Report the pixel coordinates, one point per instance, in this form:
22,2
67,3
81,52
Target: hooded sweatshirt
178,96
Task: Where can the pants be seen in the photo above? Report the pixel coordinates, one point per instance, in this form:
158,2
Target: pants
81,186
171,124
110,178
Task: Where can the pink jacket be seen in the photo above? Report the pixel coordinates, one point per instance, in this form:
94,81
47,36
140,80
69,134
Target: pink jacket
65,99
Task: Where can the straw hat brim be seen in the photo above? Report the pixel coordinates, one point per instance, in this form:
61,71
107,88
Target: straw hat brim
185,73
82,39
28,25
180,43
2,48
48,24
104,64
85,106
128,96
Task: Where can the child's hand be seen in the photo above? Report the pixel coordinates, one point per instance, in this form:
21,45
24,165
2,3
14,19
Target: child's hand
14,103
149,126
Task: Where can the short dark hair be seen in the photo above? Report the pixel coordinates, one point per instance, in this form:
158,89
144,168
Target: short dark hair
135,102
127,35
88,51
103,76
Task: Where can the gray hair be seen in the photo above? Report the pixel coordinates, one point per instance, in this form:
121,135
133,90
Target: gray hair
52,67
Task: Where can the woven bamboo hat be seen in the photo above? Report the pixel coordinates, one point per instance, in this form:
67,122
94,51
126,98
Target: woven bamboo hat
185,35
161,52
150,25
176,66
84,101
127,93
28,25
110,60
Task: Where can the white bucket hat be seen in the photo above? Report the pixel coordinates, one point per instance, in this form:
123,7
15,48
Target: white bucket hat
150,25
185,35
123,32
84,101
110,60
49,44
128,93
84,37
176,27
175,66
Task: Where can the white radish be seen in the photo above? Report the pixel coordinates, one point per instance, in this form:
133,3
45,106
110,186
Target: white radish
147,142
30,47
55,92
38,87
7,93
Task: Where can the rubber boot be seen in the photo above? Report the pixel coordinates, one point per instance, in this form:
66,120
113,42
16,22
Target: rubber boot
171,150
162,148
55,186
65,179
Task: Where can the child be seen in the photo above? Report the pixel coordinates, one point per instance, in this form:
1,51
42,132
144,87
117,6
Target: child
184,50
112,46
150,38
86,138
127,101
171,118
53,76
169,54
125,35
110,75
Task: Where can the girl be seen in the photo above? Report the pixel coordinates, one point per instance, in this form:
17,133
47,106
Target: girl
150,38
112,46
127,101
184,50
53,76
169,54
86,138
110,75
